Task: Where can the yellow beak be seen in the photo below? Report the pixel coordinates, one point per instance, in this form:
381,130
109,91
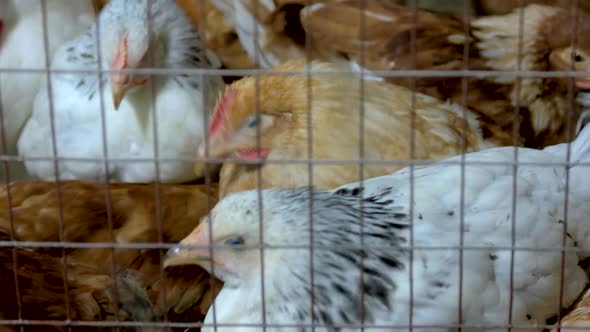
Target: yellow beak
186,253
118,89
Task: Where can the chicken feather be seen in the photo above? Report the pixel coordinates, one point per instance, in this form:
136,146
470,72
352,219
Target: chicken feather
92,295
492,43
36,209
474,242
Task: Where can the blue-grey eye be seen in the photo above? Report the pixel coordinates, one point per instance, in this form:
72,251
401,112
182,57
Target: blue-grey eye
234,241
253,122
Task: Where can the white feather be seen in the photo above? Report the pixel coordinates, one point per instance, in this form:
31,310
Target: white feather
176,108
22,48
495,201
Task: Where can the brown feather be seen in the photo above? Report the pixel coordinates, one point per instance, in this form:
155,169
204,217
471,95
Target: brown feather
440,41
578,319
35,214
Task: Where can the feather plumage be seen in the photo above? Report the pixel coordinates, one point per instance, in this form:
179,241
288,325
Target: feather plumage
179,102
361,238
79,212
24,30
492,44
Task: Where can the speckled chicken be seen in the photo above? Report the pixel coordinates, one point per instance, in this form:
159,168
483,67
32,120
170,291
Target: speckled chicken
134,213
338,110
470,242
543,103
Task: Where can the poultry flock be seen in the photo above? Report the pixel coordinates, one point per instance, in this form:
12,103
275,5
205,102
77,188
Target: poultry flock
256,131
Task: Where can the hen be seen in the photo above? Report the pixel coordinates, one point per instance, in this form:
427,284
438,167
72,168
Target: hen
386,251
92,296
23,29
135,214
543,103
338,109
133,35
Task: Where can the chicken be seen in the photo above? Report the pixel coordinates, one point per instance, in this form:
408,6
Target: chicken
494,7
23,28
134,213
41,293
545,114
379,243
161,117
578,318
336,118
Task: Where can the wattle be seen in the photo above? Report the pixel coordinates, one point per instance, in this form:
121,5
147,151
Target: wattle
252,154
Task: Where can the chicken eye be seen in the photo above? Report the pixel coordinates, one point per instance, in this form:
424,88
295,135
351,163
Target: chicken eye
235,241
577,57
253,122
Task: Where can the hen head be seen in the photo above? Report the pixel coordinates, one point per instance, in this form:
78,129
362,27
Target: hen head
227,242
563,56
141,34
255,114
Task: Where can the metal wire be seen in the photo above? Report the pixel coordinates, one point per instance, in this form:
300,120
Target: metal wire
466,75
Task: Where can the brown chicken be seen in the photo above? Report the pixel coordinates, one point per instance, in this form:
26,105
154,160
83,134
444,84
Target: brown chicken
41,294
336,118
543,103
134,213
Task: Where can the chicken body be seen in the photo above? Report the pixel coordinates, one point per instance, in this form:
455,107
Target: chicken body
92,295
144,117
431,242
347,124
545,114
24,30
135,218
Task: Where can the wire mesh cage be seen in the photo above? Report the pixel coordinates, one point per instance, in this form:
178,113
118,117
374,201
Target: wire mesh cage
178,165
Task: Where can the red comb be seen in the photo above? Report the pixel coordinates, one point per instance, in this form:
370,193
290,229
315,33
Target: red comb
224,104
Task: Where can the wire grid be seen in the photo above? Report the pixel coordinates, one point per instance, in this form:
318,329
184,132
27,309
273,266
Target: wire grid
464,74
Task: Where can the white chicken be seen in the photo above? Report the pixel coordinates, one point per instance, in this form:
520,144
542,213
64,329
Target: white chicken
137,34
22,47
368,267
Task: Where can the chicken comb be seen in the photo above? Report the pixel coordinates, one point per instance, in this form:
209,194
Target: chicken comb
224,104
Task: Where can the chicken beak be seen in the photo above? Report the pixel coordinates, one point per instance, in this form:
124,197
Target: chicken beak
119,90
220,147
119,81
186,253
